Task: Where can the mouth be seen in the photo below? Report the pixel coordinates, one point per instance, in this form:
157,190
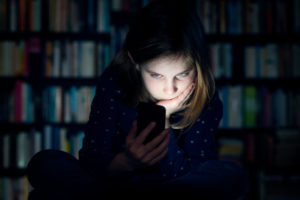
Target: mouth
167,99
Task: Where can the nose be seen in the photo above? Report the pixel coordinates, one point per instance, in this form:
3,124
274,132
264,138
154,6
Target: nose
170,87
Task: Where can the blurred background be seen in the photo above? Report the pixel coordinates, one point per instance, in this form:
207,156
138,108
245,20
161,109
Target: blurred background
53,51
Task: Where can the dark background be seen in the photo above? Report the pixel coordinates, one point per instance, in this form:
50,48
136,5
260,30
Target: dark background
254,48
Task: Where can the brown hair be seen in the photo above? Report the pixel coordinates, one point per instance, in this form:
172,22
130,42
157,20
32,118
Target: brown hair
166,28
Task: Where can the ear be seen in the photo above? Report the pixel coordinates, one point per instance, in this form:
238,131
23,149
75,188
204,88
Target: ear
137,66
130,57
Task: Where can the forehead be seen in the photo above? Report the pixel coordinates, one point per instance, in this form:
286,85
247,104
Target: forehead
170,64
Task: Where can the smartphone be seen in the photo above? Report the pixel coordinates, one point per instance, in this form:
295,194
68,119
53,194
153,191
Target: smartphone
147,113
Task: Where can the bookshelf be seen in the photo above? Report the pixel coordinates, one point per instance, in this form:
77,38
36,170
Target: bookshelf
242,52
256,63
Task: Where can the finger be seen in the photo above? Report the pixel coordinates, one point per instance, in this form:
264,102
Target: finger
142,136
158,150
157,140
147,152
132,134
137,152
158,158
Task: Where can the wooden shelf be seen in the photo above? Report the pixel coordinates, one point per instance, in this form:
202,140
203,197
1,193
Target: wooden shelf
274,82
13,172
28,126
47,81
260,38
103,37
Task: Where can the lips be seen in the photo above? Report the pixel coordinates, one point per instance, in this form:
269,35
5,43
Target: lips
168,99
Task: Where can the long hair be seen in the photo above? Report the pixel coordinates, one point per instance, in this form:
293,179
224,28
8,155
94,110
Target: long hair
166,28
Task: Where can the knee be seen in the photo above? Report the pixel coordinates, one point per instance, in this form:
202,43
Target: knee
44,166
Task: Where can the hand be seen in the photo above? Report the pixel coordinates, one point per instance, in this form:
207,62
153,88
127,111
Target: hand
178,103
142,155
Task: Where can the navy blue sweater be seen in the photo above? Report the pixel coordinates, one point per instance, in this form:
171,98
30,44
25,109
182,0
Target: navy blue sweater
110,122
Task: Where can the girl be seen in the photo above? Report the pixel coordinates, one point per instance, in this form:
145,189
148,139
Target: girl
164,61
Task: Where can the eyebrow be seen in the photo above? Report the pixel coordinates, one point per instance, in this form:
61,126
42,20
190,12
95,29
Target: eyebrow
187,70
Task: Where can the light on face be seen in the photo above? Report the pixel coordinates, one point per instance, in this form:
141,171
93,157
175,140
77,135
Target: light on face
166,78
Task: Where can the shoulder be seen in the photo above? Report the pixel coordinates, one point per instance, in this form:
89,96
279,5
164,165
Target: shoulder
108,82
215,102
109,74
214,108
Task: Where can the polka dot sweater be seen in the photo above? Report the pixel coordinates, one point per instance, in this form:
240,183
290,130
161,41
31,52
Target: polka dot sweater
110,122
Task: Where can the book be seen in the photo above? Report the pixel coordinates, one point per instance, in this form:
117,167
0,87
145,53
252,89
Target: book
250,109
225,99
3,15
47,137
103,16
22,157
18,101
272,61
296,16
6,151
221,59
236,107
250,62
231,149
280,108
87,68
287,148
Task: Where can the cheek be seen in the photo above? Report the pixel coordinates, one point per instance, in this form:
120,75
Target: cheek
185,84
151,84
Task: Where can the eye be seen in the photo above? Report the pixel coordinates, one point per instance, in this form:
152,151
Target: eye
182,75
156,76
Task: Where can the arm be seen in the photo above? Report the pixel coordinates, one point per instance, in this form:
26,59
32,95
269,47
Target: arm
97,152
198,144
103,153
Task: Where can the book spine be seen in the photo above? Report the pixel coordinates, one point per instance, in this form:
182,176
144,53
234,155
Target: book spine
250,114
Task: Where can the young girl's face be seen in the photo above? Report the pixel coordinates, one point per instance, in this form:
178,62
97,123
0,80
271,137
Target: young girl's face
165,78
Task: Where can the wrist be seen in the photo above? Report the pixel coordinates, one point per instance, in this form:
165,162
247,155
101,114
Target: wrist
120,163
167,123
125,162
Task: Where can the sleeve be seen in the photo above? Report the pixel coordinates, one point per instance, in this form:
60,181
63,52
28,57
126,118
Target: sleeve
97,151
198,144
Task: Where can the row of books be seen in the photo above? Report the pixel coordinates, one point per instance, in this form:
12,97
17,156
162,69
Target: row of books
76,58
67,105
89,59
252,107
238,17
18,148
221,59
84,59
56,104
20,15
75,16
231,149
14,188
61,15
128,5
287,148
272,61
259,61
244,106
279,150
278,185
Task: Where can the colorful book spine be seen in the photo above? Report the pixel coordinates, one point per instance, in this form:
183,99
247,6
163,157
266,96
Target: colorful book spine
251,107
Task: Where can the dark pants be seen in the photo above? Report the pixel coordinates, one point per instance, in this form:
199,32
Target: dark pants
58,175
